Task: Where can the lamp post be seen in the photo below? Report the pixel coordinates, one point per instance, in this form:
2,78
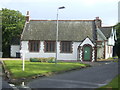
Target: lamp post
57,32
23,58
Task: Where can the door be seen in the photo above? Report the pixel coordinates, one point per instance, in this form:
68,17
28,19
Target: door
87,53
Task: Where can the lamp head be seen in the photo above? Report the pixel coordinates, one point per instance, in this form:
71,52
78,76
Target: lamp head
61,7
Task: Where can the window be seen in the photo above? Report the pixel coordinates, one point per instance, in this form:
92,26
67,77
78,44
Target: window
34,46
66,47
49,46
99,42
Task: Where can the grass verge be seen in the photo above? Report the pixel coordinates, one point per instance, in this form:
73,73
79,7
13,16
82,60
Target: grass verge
37,68
114,84
114,59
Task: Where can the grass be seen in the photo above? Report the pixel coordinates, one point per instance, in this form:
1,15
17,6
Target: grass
115,59
37,68
113,84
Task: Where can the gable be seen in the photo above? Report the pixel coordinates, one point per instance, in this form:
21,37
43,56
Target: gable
68,30
87,41
106,31
112,38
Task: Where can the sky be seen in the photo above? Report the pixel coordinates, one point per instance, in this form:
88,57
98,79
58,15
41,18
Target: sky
106,10
119,11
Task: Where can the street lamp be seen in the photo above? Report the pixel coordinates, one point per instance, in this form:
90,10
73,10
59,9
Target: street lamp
57,32
23,52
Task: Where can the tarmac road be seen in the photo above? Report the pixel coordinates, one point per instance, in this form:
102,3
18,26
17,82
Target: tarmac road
91,77
3,84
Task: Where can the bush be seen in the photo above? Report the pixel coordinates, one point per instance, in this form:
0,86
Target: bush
43,59
34,60
50,59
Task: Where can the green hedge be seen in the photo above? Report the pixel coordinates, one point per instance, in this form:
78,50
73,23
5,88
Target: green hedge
49,60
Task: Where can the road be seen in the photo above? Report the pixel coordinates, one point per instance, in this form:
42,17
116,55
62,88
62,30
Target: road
91,77
3,84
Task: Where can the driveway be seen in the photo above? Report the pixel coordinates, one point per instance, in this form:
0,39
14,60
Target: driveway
91,77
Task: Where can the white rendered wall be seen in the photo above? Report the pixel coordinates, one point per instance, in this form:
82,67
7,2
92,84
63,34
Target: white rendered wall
119,11
100,52
109,52
41,53
14,49
69,56
99,38
111,40
1,54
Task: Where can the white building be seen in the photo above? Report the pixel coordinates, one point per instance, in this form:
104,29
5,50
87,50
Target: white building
15,48
78,40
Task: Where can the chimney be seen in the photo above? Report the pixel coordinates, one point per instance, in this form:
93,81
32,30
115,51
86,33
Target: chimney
27,17
98,22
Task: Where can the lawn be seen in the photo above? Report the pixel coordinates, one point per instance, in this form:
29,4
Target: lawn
37,68
115,59
113,84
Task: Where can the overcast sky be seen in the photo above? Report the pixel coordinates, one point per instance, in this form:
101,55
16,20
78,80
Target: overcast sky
107,10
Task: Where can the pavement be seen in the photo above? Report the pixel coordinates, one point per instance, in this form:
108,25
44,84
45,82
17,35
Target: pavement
92,77
10,59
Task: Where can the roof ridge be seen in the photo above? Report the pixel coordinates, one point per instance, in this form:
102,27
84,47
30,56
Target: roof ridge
107,26
62,20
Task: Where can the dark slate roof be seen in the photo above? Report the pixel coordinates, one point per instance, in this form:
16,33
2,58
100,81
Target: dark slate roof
106,31
69,30
0,38
15,41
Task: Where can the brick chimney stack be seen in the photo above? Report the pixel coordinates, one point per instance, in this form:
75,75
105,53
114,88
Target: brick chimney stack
98,22
27,17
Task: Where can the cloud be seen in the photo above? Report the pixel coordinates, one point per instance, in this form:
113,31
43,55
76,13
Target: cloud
3,3
84,2
95,2
28,1
91,2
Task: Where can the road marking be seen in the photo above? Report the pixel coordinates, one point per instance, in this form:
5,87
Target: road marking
17,88
72,81
14,87
107,63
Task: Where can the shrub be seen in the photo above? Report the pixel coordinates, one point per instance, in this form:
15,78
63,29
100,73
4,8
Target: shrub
34,60
50,59
43,59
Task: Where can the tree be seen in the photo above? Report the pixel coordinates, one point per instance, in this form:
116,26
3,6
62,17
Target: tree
117,27
12,26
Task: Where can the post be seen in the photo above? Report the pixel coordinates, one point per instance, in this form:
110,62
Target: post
57,34
23,52
23,62
56,38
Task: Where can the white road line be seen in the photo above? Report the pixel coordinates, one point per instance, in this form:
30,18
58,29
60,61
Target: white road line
72,81
17,88
13,86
